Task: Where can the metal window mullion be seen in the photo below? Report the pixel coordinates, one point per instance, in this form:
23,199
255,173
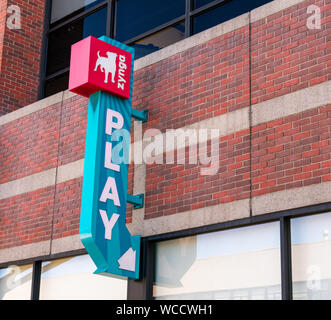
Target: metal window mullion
156,29
44,50
188,25
143,289
150,269
109,28
207,7
286,260
57,73
35,285
80,15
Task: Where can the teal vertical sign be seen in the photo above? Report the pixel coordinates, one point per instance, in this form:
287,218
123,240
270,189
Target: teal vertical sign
103,229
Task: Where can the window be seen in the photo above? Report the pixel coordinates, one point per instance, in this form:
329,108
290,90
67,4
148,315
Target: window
138,17
228,11
246,262
311,257
15,282
147,25
73,279
241,263
64,8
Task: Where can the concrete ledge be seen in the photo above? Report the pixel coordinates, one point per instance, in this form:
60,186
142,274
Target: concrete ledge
193,41
66,244
271,8
192,219
292,198
68,95
25,252
27,184
42,179
292,103
34,107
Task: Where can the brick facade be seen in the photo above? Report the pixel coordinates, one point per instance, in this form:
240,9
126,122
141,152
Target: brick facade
269,58
286,55
20,55
292,152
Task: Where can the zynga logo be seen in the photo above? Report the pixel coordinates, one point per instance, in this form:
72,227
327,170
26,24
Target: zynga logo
96,65
108,65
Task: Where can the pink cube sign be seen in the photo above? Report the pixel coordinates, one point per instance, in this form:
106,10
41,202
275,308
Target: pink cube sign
97,65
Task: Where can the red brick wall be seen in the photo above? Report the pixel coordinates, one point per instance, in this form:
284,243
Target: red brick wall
29,144
292,152
26,218
286,55
67,208
202,82
20,53
73,129
3,13
174,188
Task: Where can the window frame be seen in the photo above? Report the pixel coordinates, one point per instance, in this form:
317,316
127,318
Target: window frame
143,289
283,217
109,4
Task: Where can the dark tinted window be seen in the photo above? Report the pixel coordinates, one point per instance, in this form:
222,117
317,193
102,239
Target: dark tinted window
200,3
224,12
136,17
60,40
159,40
57,84
66,8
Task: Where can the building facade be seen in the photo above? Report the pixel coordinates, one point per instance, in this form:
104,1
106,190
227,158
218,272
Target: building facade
241,209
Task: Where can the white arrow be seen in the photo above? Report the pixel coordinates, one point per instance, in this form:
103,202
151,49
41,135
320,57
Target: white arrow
128,260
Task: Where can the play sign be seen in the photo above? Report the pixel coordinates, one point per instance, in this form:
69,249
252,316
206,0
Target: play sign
106,77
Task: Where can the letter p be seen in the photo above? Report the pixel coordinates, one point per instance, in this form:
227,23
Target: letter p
110,124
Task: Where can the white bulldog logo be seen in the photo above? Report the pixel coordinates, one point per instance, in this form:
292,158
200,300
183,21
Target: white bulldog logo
107,65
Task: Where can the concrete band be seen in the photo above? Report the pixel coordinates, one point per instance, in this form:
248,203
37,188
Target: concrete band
272,8
34,107
292,198
292,103
30,183
26,251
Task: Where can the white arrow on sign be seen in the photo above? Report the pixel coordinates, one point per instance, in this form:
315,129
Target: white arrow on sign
128,260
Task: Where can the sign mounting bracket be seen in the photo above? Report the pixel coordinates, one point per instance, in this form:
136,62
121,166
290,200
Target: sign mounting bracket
137,201
140,115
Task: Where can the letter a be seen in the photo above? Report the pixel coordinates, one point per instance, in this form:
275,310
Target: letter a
314,21
14,20
110,185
